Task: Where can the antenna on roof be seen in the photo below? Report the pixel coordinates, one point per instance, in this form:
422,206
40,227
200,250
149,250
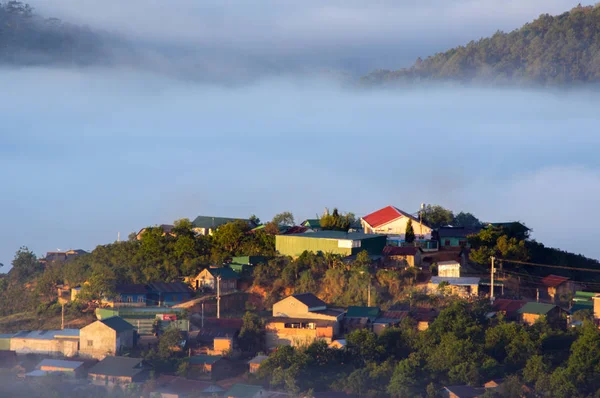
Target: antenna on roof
118,236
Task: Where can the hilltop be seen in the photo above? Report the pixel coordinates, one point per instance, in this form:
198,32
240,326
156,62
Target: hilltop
552,50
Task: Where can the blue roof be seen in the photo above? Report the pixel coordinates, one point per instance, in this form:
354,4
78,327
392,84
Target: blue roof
6,336
59,363
47,334
461,281
37,373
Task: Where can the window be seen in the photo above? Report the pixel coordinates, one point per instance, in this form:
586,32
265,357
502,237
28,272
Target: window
141,299
90,343
462,243
129,299
447,242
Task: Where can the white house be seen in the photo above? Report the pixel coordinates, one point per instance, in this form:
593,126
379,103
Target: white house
449,269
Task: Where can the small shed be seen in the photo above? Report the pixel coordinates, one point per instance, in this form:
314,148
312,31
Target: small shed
254,363
463,286
449,269
532,312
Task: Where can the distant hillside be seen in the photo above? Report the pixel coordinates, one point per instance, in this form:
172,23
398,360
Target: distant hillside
550,50
28,39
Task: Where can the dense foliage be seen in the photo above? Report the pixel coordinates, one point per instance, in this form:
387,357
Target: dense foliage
550,50
28,39
461,346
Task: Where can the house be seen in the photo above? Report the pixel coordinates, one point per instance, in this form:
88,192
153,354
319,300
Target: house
532,312
128,295
463,286
335,242
245,391
238,264
554,288
312,223
121,371
509,308
449,269
301,319
358,317
168,294
207,279
214,365
392,221
144,318
167,230
424,317
74,369
463,392
402,257
296,229
254,363
206,225
387,319
338,344
5,341
454,237
46,342
106,337
222,345
214,333
60,256
178,387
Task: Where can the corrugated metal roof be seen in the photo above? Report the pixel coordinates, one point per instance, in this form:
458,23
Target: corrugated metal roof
60,363
37,373
117,324
456,232
243,391
173,287
309,300
47,334
257,360
118,366
553,280
224,272
131,288
536,308
386,215
337,235
363,312
461,281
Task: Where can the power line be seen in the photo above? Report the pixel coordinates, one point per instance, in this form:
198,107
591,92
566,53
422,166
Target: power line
542,277
550,266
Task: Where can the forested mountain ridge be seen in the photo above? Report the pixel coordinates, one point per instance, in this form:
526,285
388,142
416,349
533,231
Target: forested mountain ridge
29,39
563,49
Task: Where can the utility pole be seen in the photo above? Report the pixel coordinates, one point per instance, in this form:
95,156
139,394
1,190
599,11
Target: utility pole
218,297
492,280
369,294
203,314
62,322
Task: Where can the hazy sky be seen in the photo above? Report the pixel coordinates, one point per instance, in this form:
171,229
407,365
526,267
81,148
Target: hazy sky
88,153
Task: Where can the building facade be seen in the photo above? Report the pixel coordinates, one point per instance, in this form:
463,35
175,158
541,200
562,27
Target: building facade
107,337
335,242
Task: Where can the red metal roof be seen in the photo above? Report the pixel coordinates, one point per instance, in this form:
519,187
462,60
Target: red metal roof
507,305
399,251
553,280
385,215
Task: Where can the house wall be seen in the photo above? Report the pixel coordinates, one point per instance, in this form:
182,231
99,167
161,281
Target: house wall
294,246
54,347
206,280
290,307
222,345
373,245
530,319
398,227
254,367
102,380
461,291
103,341
451,270
453,242
277,334
4,344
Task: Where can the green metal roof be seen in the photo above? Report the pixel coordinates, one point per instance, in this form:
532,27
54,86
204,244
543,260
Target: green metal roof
248,260
584,296
117,324
224,273
204,359
312,223
339,235
363,312
536,308
242,391
582,306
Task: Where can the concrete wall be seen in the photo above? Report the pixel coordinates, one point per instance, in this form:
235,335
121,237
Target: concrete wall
277,335
98,341
54,347
398,227
449,270
290,307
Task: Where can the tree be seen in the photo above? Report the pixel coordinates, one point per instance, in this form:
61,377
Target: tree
283,219
358,382
336,221
254,219
251,334
229,238
466,220
436,216
25,264
409,235
169,341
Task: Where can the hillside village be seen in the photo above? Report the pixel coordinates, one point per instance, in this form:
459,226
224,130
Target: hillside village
336,306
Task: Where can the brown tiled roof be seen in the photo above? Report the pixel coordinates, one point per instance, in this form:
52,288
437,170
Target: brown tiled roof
553,280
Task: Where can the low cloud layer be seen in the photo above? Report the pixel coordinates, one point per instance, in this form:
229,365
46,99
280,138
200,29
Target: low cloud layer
88,153
242,39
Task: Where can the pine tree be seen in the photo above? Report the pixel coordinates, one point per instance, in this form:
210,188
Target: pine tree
409,235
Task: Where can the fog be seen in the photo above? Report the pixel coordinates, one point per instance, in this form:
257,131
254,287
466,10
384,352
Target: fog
238,40
86,153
